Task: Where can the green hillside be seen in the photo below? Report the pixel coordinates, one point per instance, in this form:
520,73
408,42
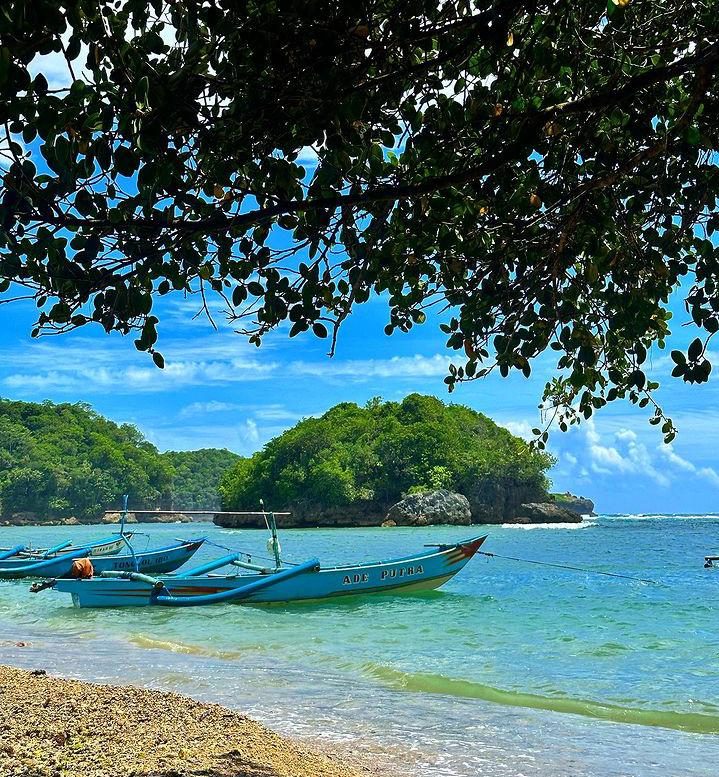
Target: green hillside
61,460
195,484
385,449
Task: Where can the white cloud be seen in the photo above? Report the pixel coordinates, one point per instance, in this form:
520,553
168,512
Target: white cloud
705,473
522,429
623,453
276,413
203,408
249,432
84,365
416,366
710,474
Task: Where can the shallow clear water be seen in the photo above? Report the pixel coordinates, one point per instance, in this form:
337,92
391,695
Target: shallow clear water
510,669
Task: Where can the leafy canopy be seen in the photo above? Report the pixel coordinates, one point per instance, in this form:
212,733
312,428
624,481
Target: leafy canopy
66,460
544,173
379,452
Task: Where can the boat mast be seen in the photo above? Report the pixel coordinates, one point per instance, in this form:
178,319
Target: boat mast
273,543
123,515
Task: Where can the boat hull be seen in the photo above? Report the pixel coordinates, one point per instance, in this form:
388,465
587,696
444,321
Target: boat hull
108,547
155,561
420,572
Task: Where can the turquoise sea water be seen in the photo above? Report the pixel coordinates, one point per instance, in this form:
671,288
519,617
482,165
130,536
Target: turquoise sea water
510,669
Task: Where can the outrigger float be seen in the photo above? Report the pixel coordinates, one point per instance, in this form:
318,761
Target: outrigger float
278,583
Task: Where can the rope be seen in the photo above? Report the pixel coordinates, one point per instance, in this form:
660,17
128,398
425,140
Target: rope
249,555
566,566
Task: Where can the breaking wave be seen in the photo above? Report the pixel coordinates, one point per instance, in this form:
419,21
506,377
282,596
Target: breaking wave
422,682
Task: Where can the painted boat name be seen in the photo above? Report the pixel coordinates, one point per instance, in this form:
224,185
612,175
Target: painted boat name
385,574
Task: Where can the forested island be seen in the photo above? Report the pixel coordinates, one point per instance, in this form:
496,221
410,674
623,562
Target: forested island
409,462
415,461
64,461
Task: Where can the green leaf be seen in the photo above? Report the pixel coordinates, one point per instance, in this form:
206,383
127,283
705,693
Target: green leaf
678,357
695,349
125,161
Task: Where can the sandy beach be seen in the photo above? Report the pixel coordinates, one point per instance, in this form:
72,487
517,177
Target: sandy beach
51,727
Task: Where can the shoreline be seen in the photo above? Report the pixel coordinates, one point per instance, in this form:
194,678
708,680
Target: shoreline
51,726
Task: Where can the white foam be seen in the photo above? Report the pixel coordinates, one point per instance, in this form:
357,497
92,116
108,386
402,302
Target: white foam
585,524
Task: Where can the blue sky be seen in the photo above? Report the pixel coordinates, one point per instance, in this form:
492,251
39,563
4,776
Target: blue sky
218,391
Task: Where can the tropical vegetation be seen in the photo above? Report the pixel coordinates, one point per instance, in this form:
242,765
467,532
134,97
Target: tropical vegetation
62,460
544,172
381,451
197,475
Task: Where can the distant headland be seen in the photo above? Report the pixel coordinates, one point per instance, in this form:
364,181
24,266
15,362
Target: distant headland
411,463
415,462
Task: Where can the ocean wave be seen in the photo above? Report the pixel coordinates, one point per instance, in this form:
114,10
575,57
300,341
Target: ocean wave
658,516
585,524
182,647
424,682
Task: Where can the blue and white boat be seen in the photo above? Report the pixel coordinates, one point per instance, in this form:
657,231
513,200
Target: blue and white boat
21,555
159,560
305,582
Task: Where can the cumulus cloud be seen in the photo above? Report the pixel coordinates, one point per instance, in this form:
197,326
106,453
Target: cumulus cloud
520,428
622,453
249,432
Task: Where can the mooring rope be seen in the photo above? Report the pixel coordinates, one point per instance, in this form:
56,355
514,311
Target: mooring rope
567,566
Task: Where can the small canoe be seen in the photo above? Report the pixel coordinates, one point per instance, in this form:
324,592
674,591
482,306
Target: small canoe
19,555
300,583
160,560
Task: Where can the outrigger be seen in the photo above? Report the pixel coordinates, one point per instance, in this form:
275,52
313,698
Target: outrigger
101,556
279,582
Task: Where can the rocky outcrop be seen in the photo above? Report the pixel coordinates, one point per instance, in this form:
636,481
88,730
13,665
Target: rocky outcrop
429,508
147,516
544,512
32,519
494,504
493,501
577,504
307,516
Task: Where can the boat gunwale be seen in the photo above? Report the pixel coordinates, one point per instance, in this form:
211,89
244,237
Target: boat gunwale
443,550
177,577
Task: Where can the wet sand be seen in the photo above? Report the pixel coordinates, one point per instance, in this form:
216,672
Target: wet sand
51,727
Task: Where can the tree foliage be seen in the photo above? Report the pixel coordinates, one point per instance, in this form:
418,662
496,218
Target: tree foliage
66,460
197,475
544,173
379,452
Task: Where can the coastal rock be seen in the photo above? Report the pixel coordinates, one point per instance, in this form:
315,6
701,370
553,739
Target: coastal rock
147,516
545,512
496,501
306,515
577,504
33,519
432,507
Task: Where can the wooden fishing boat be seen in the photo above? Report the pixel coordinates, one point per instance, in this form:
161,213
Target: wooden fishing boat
159,560
255,585
19,555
